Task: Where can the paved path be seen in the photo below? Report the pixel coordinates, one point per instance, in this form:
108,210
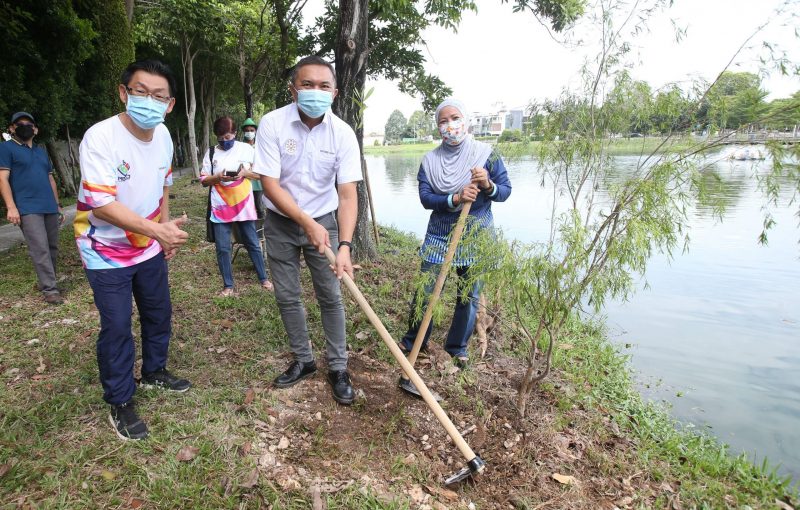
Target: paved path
11,235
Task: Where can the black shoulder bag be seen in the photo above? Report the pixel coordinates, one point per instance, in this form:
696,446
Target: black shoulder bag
209,224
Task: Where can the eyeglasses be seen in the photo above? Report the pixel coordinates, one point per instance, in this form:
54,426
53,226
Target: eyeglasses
143,93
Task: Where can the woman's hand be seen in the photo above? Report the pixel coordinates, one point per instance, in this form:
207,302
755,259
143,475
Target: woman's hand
468,194
480,177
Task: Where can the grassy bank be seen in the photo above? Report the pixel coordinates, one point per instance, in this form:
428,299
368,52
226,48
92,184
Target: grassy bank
617,147
232,441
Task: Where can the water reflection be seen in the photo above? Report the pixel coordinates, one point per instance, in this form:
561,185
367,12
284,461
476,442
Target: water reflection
719,326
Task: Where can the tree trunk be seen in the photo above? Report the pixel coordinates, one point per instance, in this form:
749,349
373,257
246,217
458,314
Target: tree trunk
351,75
129,10
191,102
63,170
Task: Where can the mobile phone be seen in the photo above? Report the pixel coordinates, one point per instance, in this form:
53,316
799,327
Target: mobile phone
230,173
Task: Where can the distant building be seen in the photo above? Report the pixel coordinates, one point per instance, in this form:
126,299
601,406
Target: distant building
370,139
493,124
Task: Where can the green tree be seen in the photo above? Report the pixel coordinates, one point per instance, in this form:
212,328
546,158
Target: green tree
597,244
395,127
631,101
193,27
735,100
420,124
783,113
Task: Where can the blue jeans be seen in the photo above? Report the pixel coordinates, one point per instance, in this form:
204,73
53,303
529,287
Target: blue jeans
222,240
464,313
116,352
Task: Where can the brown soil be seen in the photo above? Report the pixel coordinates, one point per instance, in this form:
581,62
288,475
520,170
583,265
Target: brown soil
392,442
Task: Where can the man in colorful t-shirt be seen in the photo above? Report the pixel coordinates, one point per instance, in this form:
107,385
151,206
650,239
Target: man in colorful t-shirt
125,237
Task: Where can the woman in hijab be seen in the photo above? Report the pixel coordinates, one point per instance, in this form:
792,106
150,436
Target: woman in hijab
458,171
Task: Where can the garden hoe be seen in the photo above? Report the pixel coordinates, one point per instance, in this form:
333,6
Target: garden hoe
405,383
475,464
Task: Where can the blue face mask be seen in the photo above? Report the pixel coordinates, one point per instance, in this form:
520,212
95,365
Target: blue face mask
226,144
146,112
314,103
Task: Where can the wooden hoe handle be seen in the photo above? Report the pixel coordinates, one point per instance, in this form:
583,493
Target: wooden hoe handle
434,406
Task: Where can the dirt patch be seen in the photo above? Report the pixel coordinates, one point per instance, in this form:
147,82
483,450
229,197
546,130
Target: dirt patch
392,442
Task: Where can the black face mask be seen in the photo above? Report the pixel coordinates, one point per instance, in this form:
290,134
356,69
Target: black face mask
24,131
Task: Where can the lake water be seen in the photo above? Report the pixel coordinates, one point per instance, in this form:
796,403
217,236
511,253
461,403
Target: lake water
716,334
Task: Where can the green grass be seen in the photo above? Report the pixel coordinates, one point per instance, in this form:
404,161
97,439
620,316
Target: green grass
616,147
58,451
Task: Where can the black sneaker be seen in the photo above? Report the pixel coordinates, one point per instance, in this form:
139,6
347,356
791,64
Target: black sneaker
296,372
163,379
342,390
126,422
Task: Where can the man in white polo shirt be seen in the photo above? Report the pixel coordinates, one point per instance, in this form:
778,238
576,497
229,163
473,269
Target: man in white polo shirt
309,163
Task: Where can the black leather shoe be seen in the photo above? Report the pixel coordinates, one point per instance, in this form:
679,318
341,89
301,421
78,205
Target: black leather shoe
296,372
342,390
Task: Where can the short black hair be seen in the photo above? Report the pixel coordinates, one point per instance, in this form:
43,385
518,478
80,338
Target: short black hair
311,60
151,66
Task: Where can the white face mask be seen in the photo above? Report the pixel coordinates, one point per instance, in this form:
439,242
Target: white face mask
453,132
249,135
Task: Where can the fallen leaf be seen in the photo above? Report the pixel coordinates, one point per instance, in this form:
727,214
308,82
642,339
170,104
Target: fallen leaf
42,367
4,468
566,346
108,475
783,505
444,493
136,503
223,323
245,449
316,499
283,443
251,480
32,341
249,395
187,453
361,335
565,479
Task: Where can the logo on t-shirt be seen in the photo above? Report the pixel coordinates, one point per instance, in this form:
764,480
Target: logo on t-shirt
290,146
122,172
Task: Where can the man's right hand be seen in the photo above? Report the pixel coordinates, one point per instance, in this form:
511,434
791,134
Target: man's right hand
318,236
170,236
13,216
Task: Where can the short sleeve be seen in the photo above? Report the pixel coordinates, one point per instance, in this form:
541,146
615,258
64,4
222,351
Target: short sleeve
267,159
205,168
171,155
98,177
5,156
349,157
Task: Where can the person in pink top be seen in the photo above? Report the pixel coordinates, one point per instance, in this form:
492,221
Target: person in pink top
228,169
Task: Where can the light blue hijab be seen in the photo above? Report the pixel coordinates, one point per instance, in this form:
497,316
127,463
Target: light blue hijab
449,167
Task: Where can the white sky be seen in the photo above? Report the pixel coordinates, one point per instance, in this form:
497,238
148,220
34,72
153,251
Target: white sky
501,56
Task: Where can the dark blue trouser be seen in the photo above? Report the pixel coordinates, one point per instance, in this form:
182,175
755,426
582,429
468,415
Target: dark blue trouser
464,313
147,283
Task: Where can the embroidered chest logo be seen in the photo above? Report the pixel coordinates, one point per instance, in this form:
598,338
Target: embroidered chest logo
290,146
123,172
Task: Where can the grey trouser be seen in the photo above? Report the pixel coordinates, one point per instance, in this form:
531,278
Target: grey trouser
286,239
41,236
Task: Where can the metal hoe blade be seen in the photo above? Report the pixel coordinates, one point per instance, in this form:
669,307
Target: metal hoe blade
474,467
408,386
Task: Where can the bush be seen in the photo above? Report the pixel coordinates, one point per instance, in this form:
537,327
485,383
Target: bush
511,135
